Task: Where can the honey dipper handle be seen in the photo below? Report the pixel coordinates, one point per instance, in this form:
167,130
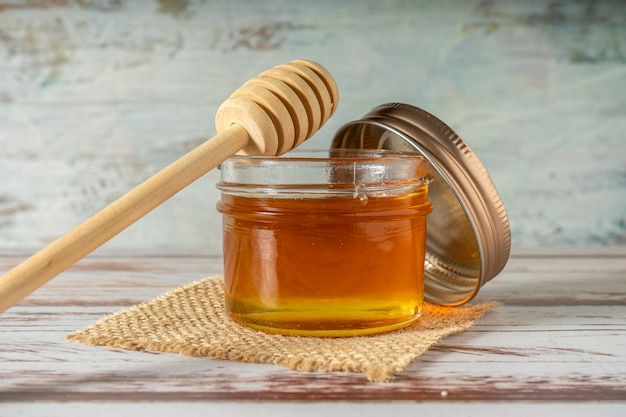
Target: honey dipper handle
98,229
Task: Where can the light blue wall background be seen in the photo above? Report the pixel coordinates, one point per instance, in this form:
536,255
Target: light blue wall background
97,95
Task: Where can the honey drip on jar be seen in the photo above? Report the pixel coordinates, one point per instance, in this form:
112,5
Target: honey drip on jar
332,266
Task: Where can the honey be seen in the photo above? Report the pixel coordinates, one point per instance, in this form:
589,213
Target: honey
326,258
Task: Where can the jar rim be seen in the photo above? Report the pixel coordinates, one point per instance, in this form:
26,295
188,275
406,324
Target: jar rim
312,171
333,154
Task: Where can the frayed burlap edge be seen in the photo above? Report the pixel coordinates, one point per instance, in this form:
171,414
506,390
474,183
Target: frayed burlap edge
191,320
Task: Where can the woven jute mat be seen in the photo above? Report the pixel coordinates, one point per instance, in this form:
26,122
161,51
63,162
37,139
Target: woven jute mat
191,320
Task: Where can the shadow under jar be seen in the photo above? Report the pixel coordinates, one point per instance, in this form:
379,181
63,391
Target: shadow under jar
325,243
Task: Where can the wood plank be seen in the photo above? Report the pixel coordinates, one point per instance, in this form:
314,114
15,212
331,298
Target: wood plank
511,355
555,339
571,280
328,409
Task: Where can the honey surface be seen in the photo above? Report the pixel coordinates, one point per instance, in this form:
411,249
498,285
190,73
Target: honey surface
324,266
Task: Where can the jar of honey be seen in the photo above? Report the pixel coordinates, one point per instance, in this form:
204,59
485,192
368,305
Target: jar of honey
325,243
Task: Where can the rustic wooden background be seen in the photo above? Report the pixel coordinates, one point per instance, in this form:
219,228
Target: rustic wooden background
96,95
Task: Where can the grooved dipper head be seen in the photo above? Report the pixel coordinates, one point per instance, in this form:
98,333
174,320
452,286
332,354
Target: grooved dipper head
281,107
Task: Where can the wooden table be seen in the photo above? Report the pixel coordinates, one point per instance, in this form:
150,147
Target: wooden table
558,346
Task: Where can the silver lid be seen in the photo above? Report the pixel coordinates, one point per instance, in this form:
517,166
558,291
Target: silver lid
468,238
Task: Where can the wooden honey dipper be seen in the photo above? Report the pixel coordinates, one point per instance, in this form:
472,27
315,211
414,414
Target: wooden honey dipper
269,115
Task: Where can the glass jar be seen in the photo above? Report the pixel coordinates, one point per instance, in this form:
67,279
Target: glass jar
325,243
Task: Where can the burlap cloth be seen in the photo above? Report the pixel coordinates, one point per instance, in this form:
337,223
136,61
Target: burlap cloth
191,320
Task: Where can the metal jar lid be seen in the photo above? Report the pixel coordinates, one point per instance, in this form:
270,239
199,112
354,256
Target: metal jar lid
468,238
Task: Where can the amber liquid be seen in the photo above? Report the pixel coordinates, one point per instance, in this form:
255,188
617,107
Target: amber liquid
336,266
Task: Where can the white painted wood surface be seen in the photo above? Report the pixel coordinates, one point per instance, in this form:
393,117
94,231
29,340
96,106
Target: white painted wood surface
96,95
556,347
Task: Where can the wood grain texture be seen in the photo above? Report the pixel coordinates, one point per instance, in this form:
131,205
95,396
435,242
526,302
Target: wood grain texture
557,340
95,96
